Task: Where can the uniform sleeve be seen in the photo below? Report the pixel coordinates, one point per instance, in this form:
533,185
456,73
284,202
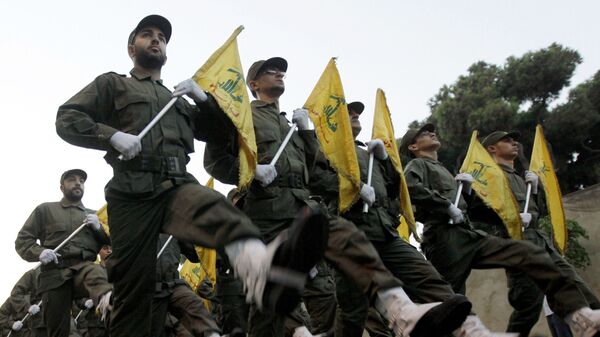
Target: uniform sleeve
20,296
221,160
323,179
32,230
210,123
391,177
420,195
5,320
83,119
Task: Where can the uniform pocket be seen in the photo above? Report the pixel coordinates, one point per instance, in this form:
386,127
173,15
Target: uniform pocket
134,110
55,234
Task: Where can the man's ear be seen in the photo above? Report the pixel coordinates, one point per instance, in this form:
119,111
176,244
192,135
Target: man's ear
131,50
253,85
413,147
491,149
62,188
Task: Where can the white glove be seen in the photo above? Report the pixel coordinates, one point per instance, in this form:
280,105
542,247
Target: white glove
17,325
190,88
467,180
300,117
33,309
455,214
128,145
265,174
525,219
48,255
89,303
93,221
533,179
377,147
367,194
302,331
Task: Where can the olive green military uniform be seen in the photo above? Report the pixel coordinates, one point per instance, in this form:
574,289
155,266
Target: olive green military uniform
232,309
174,296
76,275
524,296
22,296
152,192
87,322
456,249
273,207
421,281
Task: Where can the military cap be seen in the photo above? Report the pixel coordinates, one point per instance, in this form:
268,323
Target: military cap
278,63
357,107
410,136
497,136
155,21
71,172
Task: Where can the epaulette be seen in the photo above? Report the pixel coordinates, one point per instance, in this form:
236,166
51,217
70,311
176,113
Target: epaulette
114,73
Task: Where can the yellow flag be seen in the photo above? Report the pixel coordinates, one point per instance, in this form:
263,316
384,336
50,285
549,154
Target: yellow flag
102,214
329,114
384,129
492,186
223,77
541,164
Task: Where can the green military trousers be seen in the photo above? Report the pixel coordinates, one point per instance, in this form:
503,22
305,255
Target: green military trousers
456,249
189,212
422,283
85,279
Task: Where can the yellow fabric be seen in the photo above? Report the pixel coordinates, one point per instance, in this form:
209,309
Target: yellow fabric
492,186
222,76
103,217
329,114
383,129
541,164
404,230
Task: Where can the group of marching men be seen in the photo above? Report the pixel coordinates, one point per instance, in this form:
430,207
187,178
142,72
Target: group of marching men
302,268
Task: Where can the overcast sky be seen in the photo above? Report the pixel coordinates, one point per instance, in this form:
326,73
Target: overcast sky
52,49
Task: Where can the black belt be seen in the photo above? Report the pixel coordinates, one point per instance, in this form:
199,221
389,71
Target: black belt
293,181
172,166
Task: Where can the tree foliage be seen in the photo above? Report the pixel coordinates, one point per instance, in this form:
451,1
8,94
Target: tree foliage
575,254
516,96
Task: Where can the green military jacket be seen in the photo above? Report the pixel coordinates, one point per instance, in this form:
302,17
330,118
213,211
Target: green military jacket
487,219
50,224
114,102
22,296
286,195
432,190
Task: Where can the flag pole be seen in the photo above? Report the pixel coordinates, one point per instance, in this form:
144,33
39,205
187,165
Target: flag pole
527,196
369,176
457,199
164,246
283,145
24,318
64,242
155,120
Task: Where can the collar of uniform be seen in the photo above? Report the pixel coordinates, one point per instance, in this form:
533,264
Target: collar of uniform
64,202
507,168
431,160
260,104
141,75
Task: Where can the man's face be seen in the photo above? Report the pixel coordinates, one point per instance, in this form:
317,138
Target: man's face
270,82
105,251
425,141
149,48
506,148
354,122
73,187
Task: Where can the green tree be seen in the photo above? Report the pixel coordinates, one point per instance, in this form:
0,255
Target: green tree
576,254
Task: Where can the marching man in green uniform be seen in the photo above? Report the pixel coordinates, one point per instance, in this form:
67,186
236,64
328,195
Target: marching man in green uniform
454,248
524,296
151,190
422,282
23,300
71,272
280,190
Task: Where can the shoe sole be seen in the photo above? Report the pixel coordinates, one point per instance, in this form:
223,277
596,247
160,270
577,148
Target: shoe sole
298,254
444,318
